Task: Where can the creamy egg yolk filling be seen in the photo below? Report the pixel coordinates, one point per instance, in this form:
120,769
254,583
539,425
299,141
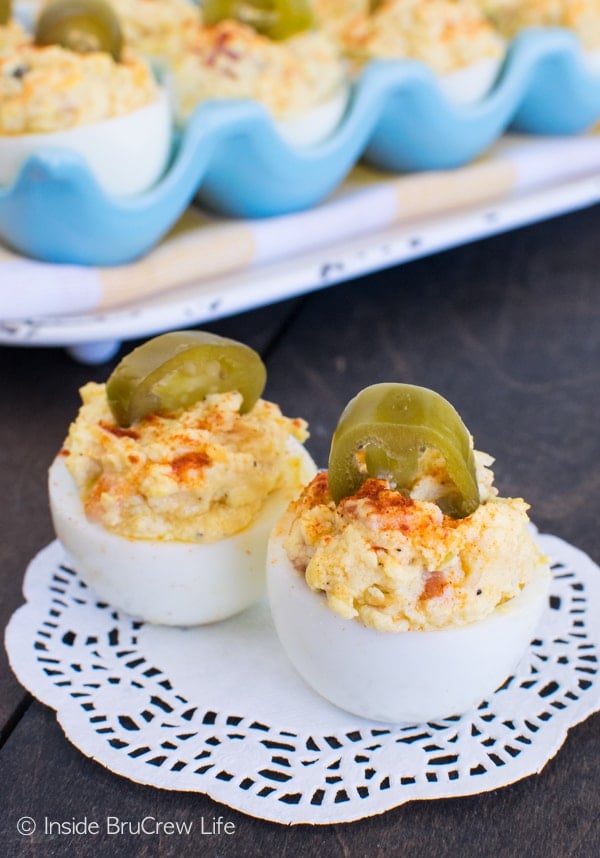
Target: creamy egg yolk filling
580,16
445,35
156,28
46,89
230,60
198,475
12,36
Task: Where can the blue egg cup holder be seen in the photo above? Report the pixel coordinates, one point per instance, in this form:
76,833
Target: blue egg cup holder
231,158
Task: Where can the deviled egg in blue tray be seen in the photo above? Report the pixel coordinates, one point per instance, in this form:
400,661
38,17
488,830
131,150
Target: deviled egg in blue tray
257,109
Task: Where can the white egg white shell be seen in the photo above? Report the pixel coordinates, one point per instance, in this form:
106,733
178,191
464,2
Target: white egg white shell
397,677
317,124
165,582
472,83
127,154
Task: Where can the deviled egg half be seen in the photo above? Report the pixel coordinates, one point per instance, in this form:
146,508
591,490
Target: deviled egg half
172,477
454,39
402,588
76,87
270,53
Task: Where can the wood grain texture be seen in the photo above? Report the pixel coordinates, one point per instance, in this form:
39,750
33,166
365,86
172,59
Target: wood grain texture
509,330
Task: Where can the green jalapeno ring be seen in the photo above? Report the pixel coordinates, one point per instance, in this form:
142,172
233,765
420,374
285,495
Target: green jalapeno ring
82,26
5,12
276,19
177,369
392,423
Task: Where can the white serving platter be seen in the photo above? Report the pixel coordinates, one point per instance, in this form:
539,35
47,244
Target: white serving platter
219,267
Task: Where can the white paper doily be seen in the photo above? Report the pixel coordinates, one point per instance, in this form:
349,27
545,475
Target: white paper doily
219,709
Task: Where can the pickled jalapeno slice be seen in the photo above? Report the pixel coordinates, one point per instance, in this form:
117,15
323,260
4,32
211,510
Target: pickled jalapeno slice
82,26
175,370
382,432
5,12
277,19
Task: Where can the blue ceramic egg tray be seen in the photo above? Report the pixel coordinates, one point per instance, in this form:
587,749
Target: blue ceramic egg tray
231,158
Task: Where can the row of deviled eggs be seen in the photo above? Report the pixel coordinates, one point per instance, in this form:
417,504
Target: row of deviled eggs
112,81
401,586
114,86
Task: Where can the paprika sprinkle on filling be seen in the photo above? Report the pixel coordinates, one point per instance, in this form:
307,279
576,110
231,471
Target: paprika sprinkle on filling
406,531
205,469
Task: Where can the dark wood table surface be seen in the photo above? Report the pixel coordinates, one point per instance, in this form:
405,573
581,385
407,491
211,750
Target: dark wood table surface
509,330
